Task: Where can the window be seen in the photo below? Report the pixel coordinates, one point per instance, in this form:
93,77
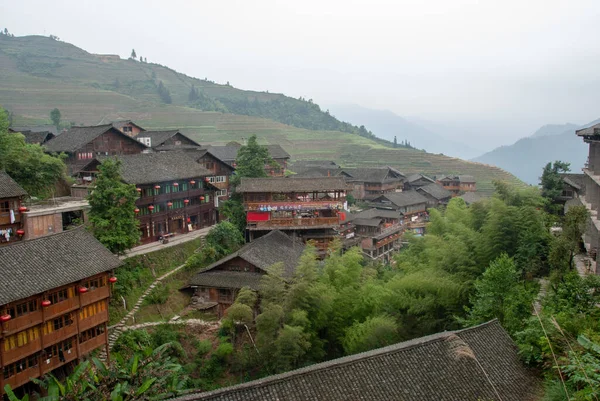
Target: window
4,206
177,143
91,333
61,295
224,295
218,178
21,338
57,324
91,310
94,283
146,141
22,308
126,128
209,165
222,192
20,366
58,349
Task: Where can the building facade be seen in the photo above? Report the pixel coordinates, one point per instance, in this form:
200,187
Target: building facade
303,207
379,232
53,304
11,210
458,184
370,182
54,216
128,127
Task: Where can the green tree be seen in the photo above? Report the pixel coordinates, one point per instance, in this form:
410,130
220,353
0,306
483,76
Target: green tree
375,332
133,55
251,160
36,171
225,238
164,93
395,142
552,183
55,117
112,214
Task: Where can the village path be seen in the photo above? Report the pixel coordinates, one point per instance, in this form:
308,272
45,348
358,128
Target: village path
584,265
156,245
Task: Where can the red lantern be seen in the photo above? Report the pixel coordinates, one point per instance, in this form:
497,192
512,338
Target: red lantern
82,290
151,208
192,182
46,303
207,179
5,318
136,210
202,198
112,280
20,232
157,187
175,184
139,189
169,204
234,164
186,201
22,209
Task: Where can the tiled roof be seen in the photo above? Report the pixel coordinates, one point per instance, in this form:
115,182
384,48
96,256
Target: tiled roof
120,124
36,128
369,222
148,168
405,198
228,153
157,138
416,177
300,165
227,279
459,178
478,363
374,174
39,137
574,180
280,185
32,267
267,250
9,187
589,131
277,152
436,191
77,137
373,213
466,178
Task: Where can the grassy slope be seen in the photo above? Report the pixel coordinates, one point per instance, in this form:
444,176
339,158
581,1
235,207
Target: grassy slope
38,74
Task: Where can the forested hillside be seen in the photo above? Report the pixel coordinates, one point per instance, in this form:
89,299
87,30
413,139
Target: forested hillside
38,74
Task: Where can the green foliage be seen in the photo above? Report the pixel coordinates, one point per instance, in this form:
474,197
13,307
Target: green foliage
375,332
55,117
131,340
112,209
225,238
251,161
567,244
158,295
163,93
28,164
233,210
552,183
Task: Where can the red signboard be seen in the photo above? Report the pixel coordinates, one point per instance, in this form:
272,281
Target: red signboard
258,216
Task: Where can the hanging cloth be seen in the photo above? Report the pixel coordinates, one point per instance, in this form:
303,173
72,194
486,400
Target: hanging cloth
12,216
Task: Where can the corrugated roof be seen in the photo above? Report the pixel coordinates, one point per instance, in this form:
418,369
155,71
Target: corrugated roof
405,198
9,187
477,363
77,137
148,168
281,185
34,266
436,191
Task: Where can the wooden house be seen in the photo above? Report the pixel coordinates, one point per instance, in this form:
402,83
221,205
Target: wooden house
415,181
167,140
53,216
303,207
408,203
370,182
83,144
36,134
175,193
221,173
436,194
315,168
228,154
128,127
53,304
216,287
379,231
11,210
458,184
438,367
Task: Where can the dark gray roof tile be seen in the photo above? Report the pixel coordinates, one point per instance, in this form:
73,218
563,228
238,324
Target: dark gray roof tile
77,137
436,191
282,185
9,187
32,267
405,198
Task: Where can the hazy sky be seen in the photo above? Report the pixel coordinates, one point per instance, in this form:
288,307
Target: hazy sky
499,68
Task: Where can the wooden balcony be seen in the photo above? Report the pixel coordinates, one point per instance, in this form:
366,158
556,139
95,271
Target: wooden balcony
294,223
94,295
93,321
297,205
5,218
60,334
17,353
92,344
22,322
61,308
21,378
50,364
163,198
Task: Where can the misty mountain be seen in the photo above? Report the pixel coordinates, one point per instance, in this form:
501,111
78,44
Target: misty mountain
527,157
554,129
385,124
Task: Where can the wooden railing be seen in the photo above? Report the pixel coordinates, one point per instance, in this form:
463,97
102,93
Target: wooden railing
17,353
94,295
55,362
92,344
93,321
22,377
60,334
5,218
61,308
297,204
292,222
22,322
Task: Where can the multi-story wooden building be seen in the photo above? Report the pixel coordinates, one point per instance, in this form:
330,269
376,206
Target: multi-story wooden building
176,195
54,216
415,181
590,196
53,303
370,182
221,173
379,231
408,203
458,184
216,287
83,144
435,193
11,210
303,207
